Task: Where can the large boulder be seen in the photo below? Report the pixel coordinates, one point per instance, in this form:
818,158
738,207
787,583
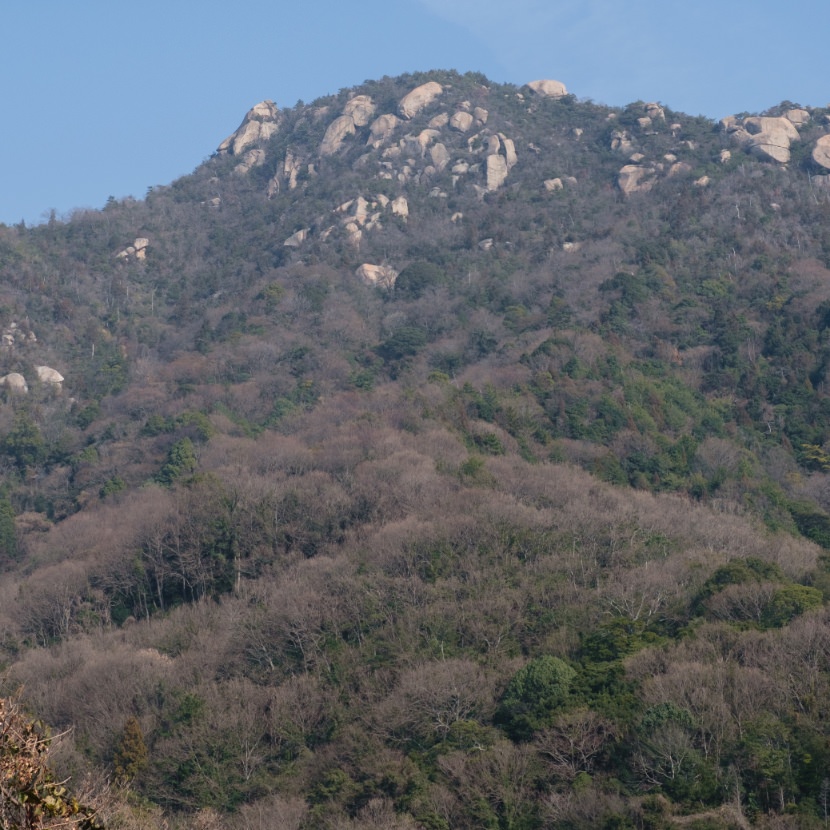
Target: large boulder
421,97
548,88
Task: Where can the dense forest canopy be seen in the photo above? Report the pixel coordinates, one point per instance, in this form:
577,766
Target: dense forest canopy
461,463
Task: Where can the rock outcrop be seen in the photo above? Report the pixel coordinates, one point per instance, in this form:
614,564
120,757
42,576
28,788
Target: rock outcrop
138,250
357,112
419,99
549,88
765,137
260,123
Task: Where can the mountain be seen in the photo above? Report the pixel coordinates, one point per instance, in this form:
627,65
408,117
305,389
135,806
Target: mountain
438,454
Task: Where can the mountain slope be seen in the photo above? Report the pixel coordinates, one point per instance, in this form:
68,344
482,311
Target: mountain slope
420,453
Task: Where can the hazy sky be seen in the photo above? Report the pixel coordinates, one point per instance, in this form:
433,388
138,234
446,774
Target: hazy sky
107,98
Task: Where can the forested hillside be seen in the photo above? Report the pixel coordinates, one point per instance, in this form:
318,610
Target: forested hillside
439,454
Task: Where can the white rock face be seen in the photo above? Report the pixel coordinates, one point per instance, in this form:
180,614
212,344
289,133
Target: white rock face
46,374
549,88
380,275
821,152
553,184
260,123
481,115
421,97
440,120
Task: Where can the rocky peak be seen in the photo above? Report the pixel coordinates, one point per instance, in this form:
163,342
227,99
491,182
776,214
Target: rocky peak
258,125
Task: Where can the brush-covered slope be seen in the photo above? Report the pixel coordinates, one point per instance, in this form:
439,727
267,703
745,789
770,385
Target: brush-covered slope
438,454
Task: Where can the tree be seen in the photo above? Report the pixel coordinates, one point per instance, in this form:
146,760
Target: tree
181,460
535,695
131,753
8,534
24,442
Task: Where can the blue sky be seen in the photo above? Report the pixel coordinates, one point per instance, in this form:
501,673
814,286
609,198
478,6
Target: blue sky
103,98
